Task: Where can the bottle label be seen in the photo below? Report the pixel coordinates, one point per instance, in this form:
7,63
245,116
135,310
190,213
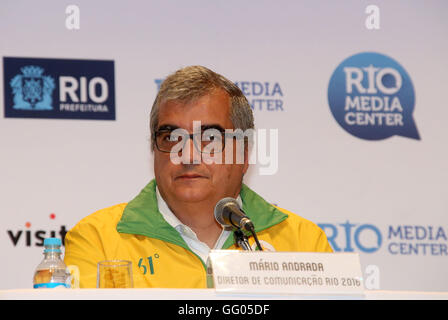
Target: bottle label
51,285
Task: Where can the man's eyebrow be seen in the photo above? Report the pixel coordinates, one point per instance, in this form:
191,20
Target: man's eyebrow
167,127
212,126
171,127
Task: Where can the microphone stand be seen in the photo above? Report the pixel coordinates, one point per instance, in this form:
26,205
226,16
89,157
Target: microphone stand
241,240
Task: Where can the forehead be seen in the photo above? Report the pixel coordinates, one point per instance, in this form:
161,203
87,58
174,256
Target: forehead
212,108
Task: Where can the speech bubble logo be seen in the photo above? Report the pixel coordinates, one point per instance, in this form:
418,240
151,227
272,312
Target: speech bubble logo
372,97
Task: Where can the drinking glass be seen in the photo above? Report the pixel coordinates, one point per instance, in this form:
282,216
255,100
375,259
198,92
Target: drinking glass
114,274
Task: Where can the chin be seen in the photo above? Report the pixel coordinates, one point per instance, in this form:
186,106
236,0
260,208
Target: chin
192,194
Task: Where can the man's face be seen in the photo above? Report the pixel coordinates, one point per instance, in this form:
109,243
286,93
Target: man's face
191,183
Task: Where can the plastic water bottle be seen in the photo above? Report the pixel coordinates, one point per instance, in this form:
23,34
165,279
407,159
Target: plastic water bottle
52,271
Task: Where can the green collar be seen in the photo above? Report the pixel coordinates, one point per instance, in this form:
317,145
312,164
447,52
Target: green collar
141,216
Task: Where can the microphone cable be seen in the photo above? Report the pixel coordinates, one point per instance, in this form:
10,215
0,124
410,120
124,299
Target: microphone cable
240,236
254,234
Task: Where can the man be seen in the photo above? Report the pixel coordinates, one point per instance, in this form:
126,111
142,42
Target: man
168,229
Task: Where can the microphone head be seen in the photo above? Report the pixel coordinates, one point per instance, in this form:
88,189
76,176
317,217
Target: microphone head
219,209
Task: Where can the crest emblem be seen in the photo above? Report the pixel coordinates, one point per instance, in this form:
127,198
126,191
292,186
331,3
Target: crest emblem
32,90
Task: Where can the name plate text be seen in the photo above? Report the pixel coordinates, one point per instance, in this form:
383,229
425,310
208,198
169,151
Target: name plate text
285,272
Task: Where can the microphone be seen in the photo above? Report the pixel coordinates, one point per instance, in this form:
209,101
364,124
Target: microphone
228,213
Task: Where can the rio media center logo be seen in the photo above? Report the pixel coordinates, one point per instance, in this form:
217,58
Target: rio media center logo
371,96
59,88
265,96
401,239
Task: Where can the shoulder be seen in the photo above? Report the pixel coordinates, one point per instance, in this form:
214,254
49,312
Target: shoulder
310,236
92,239
93,235
101,219
296,220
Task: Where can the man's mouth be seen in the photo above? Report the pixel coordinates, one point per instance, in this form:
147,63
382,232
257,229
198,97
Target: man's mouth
190,176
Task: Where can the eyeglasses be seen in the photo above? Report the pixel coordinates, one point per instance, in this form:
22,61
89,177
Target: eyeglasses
206,142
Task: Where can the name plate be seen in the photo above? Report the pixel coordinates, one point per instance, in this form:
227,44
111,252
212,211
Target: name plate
284,272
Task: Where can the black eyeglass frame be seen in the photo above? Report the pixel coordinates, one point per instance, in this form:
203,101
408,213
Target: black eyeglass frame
192,136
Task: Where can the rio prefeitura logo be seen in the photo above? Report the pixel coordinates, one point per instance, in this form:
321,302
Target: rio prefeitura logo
46,88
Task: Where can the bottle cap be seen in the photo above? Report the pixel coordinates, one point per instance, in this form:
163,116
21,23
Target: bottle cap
52,245
52,242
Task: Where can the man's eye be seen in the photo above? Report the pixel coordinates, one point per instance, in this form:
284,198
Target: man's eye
173,138
211,136
169,137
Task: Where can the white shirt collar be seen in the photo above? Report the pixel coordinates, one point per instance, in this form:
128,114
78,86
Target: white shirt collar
171,218
198,247
166,212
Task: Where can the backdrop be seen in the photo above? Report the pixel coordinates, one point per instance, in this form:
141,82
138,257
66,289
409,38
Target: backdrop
355,94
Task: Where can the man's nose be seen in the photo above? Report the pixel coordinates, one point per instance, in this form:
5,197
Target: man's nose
190,153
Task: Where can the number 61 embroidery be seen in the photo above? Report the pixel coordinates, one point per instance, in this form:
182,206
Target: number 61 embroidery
144,266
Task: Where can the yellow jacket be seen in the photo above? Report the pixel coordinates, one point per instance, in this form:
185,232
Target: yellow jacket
137,232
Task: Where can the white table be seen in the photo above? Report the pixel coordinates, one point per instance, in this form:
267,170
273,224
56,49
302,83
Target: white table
197,294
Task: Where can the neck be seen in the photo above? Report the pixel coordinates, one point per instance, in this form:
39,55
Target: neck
199,216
